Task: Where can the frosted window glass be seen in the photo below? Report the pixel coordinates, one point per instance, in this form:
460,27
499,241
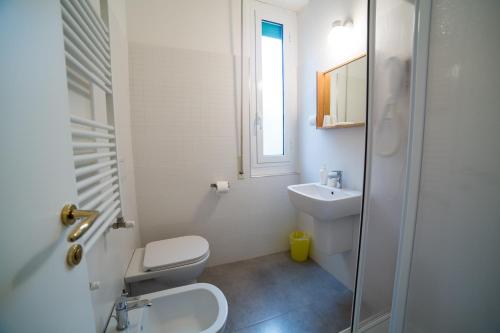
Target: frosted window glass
272,88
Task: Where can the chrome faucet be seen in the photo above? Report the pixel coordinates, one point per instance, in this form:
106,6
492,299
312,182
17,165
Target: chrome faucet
123,305
121,309
339,178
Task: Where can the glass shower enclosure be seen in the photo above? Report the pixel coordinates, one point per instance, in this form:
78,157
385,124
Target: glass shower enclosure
390,56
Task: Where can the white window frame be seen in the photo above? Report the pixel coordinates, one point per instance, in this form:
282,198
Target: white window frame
265,165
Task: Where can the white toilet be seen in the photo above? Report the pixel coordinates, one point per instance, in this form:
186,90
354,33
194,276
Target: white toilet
167,263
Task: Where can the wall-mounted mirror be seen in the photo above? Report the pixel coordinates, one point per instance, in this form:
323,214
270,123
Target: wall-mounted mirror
341,95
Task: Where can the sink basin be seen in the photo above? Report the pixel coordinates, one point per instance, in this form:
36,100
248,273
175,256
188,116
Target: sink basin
195,308
325,203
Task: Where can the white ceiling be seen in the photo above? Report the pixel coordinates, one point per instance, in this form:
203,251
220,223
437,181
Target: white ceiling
294,5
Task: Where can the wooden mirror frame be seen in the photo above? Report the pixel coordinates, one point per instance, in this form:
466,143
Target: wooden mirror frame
323,101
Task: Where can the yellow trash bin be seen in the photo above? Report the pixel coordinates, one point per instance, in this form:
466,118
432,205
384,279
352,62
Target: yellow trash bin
299,245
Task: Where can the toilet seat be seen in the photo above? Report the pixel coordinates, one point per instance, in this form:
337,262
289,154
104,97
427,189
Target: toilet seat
172,262
174,252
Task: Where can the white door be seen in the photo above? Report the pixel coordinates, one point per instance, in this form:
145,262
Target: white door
38,291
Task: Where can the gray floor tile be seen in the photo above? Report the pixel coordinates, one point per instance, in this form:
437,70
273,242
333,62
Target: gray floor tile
275,294
295,321
335,312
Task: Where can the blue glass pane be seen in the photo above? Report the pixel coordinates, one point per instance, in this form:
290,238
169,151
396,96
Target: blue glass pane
273,30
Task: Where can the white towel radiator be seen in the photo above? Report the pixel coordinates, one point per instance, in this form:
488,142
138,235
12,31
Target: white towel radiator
88,64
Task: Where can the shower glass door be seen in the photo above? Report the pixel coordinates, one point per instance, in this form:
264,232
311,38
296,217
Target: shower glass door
390,56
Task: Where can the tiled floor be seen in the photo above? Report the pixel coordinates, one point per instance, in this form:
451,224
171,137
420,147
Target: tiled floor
273,294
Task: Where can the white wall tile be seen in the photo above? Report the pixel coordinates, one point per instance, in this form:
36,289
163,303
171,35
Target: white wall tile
184,138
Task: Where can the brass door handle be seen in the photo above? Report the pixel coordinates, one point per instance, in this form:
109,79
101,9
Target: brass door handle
69,215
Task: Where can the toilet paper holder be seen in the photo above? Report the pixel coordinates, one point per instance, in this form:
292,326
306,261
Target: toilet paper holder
215,187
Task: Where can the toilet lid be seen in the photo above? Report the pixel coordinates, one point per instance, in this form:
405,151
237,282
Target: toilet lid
174,252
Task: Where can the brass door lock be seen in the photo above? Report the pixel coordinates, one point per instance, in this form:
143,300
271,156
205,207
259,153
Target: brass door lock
69,215
75,254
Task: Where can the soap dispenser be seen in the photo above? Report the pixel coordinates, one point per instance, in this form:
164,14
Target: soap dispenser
323,175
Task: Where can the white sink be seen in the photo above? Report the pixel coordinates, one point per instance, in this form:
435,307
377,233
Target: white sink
325,203
195,308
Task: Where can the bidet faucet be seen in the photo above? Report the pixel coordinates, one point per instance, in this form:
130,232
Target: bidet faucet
339,178
123,305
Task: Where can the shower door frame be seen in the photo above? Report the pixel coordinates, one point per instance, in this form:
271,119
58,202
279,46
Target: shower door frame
418,81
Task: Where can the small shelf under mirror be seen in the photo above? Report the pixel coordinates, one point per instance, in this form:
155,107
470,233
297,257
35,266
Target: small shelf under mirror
343,125
341,95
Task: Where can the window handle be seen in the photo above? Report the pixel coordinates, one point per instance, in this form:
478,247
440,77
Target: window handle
258,121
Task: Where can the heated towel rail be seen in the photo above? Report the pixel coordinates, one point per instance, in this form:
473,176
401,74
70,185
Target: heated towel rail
88,64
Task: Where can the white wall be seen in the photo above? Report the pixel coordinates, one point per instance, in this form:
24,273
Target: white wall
183,114
108,259
454,282
339,149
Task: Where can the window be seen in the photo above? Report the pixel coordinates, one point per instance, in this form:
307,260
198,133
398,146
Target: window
272,89
273,113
